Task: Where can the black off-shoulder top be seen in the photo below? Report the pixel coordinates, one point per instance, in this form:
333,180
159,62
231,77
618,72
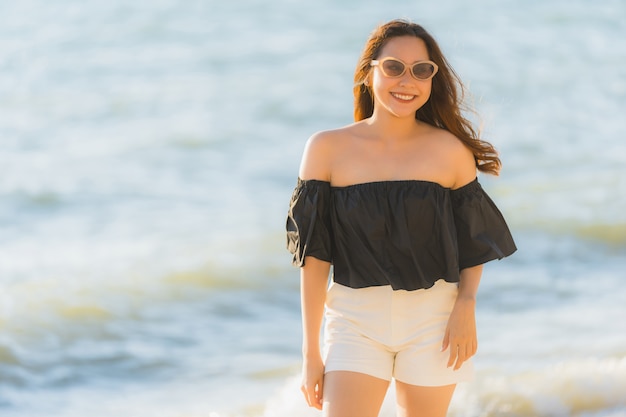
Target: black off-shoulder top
407,233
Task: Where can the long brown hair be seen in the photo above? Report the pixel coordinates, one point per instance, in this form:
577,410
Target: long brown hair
445,106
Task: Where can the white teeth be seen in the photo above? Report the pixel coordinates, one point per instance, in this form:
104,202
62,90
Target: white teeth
403,96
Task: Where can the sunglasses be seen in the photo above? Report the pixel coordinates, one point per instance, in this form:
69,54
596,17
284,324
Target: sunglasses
394,68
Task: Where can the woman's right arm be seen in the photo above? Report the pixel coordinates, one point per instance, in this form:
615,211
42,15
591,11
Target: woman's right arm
313,283
316,164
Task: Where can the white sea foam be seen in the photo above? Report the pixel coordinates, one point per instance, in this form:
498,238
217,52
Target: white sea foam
588,387
583,387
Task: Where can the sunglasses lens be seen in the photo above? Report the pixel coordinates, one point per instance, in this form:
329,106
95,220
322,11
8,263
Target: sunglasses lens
423,70
393,68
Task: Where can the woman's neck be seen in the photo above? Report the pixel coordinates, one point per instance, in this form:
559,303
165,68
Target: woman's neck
393,128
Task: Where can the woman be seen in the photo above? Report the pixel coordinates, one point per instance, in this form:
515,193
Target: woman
393,203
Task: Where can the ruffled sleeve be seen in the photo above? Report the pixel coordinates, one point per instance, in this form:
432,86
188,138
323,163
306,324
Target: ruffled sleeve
308,222
482,232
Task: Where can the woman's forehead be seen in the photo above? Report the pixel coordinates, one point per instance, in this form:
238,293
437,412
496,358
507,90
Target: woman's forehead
407,48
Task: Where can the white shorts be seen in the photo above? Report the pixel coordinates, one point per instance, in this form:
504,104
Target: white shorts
385,333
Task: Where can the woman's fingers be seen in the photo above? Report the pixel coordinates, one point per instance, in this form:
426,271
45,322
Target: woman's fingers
313,394
454,350
460,353
461,356
319,390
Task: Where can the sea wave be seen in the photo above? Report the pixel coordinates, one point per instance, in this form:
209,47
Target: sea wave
609,234
587,387
57,331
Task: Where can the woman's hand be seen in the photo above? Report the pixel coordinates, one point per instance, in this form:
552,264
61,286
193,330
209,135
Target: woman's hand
460,334
313,381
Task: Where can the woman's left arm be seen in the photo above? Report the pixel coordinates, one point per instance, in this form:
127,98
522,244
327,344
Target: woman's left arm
460,336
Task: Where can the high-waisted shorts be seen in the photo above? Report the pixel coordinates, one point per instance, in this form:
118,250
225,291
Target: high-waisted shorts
392,334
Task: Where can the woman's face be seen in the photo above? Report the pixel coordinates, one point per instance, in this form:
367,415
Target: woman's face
401,96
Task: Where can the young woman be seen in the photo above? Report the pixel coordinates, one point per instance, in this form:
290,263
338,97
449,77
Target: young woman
393,203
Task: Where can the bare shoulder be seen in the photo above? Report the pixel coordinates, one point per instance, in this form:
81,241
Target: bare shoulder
320,151
458,157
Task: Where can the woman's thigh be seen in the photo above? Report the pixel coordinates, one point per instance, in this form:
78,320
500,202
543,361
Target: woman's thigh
353,394
416,401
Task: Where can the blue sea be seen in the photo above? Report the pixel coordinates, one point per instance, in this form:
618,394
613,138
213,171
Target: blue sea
148,151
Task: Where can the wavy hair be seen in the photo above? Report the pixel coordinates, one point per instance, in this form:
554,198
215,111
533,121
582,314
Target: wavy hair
445,107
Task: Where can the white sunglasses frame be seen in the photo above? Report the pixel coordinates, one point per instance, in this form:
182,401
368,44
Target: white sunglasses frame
379,62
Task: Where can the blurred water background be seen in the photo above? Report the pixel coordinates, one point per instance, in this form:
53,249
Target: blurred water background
148,150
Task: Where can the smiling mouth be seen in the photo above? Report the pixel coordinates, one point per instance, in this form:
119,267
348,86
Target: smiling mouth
403,97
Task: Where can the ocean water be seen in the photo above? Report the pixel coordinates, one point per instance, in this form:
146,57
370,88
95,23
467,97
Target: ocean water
148,151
